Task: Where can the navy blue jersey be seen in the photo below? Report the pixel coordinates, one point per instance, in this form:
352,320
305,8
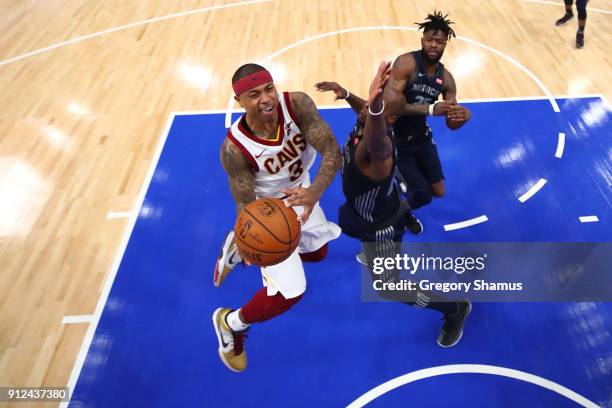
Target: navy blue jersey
421,89
375,202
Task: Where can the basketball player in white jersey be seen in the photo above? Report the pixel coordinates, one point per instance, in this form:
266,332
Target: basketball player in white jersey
267,153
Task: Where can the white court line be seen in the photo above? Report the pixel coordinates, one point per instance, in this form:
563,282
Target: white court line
347,106
529,98
480,100
78,365
561,4
206,112
520,66
118,214
77,319
606,101
126,26
466,223
531,192
589,218
560,145
470,369
230,102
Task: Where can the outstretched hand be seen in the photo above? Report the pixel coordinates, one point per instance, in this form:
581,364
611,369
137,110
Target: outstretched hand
378,83
340,92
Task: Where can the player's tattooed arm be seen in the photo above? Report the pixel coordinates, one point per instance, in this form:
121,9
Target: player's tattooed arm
457,115
240,175
320,136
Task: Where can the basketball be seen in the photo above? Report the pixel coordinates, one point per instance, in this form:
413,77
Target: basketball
267,232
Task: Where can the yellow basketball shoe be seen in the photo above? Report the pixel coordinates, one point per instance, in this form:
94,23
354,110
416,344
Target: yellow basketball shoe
231,343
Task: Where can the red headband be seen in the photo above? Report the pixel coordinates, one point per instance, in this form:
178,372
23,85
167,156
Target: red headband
251,81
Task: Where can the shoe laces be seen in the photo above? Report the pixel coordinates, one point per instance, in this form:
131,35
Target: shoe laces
238,338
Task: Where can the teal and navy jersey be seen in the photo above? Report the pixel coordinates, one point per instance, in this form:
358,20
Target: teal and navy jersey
421,89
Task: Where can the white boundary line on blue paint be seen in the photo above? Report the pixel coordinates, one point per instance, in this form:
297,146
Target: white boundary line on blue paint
470,369
118,214
539,83
346,106
466,223
530,98
589,218
78,365
206,112
485,100
126,26
606,101
77,319
561,4
533,190
560,145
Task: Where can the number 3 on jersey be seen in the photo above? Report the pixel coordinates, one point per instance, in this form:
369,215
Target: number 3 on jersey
296,170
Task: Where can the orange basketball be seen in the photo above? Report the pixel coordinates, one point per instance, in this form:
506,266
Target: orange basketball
267,232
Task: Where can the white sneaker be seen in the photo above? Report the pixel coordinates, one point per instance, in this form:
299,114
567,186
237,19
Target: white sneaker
227,260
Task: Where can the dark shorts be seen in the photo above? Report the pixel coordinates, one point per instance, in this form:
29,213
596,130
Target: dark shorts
420,164
354,226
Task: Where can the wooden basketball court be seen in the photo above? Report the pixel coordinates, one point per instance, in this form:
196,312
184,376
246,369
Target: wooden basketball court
88,87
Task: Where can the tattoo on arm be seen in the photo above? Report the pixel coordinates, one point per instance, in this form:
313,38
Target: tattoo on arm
240,175
318,134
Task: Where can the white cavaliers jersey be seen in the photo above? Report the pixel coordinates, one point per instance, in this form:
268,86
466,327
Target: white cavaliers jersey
278,164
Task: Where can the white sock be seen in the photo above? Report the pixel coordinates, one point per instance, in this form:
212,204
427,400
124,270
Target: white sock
234,322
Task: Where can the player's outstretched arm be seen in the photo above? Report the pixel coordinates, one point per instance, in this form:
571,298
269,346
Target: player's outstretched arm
457,115
374,154
241,178
318,134
353,100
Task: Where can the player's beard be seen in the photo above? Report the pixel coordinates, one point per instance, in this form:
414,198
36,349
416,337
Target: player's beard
428,60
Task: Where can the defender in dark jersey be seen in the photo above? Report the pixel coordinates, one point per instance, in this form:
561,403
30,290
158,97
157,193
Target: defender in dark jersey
374,211
359,107
417,80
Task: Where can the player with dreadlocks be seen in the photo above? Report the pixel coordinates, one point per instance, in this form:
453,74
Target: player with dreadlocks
417,79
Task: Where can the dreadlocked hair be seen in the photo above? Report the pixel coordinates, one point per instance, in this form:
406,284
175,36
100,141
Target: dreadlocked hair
437,22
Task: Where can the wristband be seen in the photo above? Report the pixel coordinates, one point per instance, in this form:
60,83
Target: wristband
430,110
378,113
347,94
